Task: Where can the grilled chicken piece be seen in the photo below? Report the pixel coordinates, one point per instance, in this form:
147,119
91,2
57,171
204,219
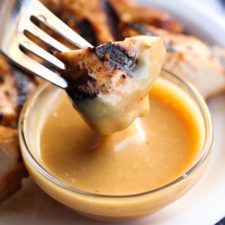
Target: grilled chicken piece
88,18
109,84
129,12
11,168
25,84
8,94
188,57
53,5
14,90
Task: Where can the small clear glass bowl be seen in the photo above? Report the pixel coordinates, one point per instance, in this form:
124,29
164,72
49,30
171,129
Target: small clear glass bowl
106,207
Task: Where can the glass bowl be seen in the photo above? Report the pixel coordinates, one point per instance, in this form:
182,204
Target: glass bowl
97,206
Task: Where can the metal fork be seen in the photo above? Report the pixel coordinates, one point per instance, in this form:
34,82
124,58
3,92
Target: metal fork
16,18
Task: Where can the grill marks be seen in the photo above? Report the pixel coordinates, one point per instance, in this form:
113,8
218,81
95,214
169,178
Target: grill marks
1,117
113,21
2,79
100,21
84,27
87,32
91,71
25,85
86,17
137,28
14,90
81,84
134,29
116,56
108,84
8,94
127,11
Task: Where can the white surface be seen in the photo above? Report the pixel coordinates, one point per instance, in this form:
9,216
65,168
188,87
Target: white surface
203,205
215,4
200,19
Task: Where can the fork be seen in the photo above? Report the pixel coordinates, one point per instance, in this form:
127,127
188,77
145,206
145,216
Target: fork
16,19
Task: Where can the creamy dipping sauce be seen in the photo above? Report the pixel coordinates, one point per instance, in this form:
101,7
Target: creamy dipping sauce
151,153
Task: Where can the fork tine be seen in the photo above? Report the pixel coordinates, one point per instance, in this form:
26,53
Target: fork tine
34,67
13,39
30,46
43,72
44,37
49,19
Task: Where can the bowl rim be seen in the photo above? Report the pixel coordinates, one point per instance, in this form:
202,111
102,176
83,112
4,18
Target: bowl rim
206,149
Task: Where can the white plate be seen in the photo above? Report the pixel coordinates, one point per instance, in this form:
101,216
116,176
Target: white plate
197,16
203,205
